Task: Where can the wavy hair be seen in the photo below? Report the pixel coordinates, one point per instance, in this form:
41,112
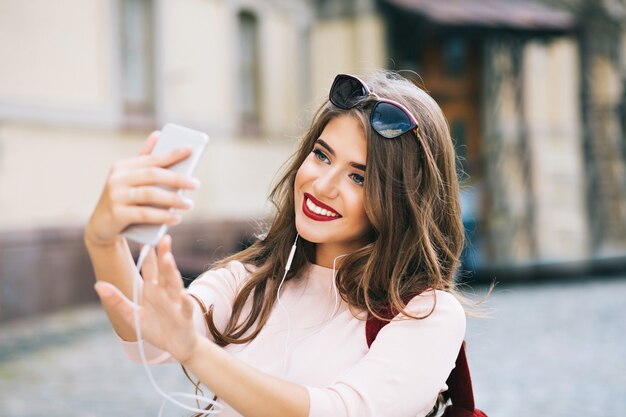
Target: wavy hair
411,197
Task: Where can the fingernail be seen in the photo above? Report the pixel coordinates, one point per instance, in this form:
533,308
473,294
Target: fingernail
193,182
101,289
184,149
188,202
176,219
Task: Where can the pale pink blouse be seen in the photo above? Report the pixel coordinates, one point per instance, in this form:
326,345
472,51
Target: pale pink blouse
400,375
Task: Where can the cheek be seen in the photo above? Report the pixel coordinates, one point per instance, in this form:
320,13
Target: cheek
303,176
305,173
299,178
357,209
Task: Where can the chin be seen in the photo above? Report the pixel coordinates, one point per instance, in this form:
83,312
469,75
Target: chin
307,234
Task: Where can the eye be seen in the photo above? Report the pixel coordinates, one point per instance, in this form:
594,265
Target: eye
358,179
321,155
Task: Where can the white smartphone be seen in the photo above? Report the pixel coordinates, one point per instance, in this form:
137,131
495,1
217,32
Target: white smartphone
171,137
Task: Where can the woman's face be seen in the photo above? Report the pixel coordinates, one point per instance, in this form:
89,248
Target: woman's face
329,191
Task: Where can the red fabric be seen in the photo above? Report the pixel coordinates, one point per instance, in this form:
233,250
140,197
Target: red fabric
454,411
459,382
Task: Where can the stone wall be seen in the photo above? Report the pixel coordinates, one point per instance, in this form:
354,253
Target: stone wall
46,269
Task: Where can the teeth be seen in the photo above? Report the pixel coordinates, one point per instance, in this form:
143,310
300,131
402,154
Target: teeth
319,210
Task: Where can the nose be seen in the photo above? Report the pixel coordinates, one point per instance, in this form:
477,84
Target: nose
327,184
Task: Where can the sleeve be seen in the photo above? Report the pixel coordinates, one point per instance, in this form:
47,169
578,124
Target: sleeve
406,367
215,288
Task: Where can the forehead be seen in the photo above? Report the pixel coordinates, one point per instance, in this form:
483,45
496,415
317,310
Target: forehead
345,136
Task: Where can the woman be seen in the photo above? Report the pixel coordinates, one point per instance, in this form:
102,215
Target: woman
371,201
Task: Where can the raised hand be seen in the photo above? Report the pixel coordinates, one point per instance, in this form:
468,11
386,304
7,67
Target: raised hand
131,193
166,308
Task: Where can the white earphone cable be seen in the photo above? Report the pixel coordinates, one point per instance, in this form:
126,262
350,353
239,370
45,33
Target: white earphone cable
327,321
287,266
167,397
282,306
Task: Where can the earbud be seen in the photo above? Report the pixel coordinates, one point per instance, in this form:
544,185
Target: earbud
291,255
289,260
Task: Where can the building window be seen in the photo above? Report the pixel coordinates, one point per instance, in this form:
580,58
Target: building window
248,63
137,57
454,54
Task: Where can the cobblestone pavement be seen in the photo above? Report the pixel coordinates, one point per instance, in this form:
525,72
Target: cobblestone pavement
550,349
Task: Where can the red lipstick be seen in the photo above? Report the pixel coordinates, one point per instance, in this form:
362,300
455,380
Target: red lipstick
313,215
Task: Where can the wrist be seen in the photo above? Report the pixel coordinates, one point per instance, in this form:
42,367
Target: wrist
94,243
201,348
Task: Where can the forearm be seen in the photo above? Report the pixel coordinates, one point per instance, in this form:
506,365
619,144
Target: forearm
249,391
114,263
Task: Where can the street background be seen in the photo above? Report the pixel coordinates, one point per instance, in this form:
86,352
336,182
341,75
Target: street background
550,349
535,95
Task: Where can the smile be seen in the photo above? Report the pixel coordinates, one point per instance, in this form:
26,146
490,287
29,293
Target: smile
318,210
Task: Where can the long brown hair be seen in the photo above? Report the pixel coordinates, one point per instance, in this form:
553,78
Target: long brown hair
411,197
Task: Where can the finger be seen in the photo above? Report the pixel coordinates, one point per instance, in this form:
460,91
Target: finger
155,294
169,275
186,304
164,245
149,269
162,160
147,215
152,175
115,300
148,145
156,196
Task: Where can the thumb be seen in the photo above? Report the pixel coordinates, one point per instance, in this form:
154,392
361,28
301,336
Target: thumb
149,143
114,299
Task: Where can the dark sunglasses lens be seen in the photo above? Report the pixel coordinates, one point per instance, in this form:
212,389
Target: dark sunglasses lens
390,121
346,92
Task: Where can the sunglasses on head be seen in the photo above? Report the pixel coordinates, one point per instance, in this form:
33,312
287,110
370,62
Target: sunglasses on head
388,118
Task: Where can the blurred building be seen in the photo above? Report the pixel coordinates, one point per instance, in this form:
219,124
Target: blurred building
534,95
82,84
533,91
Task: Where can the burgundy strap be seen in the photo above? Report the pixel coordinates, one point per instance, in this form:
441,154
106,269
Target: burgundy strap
459,382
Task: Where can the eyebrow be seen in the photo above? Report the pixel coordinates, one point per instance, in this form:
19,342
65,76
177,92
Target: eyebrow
332,152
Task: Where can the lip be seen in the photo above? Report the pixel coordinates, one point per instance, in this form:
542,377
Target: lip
318,203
